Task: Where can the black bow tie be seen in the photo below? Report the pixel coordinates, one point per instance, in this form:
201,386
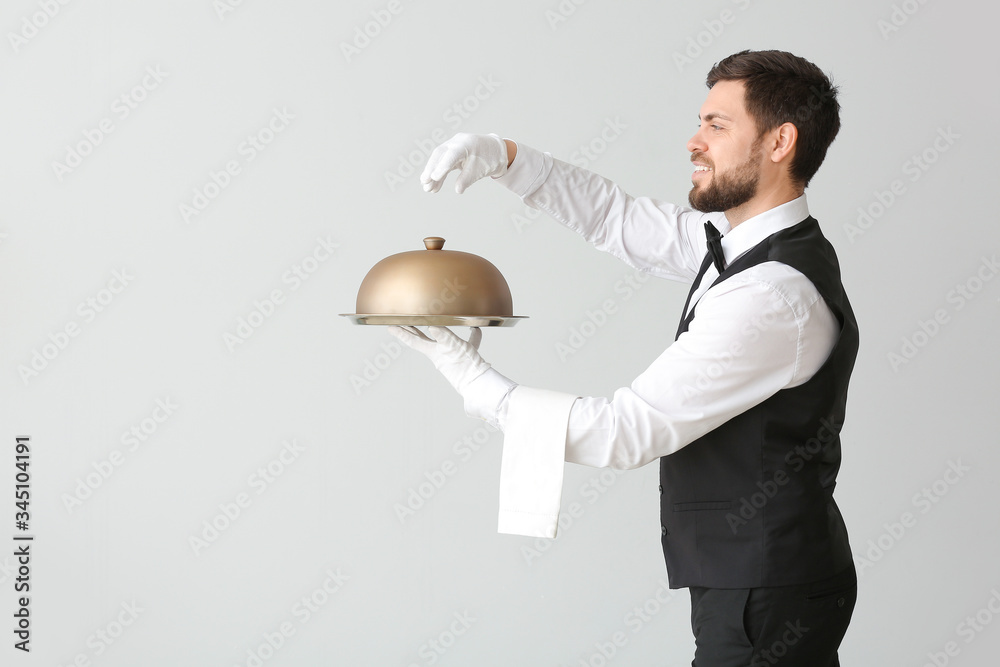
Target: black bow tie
715,246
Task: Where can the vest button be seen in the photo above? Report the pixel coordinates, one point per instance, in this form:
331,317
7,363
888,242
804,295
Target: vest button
661,488
841,602
663,530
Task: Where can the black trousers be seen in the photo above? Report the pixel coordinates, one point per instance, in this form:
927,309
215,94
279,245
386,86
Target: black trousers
789,626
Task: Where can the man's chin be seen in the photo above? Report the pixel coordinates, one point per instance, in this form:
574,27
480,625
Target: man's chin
699,204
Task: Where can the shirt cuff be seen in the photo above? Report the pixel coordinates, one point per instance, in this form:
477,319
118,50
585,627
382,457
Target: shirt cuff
531,469
484,396
527,172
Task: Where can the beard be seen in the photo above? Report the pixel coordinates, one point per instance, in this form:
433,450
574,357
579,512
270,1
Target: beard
731,189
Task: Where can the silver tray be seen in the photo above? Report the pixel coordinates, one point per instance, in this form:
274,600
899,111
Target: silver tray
435,320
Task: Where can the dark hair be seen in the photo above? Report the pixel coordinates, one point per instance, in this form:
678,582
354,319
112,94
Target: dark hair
784,88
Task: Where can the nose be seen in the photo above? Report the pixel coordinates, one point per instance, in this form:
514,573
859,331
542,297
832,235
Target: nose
696,144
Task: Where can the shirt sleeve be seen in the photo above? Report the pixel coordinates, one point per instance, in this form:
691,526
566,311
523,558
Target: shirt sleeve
662,239
753,335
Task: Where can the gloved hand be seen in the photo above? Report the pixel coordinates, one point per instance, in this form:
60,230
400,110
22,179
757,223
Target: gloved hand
481,387
477,155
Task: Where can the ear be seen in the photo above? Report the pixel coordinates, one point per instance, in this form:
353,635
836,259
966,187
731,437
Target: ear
783,141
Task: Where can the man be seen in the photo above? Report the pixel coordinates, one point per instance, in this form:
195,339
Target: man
745,408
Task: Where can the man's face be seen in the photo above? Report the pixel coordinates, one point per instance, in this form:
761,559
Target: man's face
726,152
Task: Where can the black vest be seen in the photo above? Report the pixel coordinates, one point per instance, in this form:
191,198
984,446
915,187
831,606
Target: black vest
751,504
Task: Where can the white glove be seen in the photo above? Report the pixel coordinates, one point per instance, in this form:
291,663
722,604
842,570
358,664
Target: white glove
477,155
481,387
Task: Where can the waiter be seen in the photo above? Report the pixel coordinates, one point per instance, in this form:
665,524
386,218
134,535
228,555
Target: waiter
744,409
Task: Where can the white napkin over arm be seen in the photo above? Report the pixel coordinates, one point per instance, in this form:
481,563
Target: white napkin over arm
531,467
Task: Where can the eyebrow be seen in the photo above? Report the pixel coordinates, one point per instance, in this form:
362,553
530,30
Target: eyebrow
713,115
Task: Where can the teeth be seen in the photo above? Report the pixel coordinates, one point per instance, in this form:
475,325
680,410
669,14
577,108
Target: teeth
703,168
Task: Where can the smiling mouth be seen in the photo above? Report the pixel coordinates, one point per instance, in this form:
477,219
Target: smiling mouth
700,171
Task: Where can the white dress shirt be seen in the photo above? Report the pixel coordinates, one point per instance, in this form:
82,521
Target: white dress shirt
756,333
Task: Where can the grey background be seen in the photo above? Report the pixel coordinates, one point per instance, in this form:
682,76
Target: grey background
559,73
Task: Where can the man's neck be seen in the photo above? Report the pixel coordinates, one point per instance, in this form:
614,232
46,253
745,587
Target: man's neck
764,201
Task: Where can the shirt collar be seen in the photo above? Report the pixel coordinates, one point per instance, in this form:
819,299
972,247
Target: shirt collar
753,230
